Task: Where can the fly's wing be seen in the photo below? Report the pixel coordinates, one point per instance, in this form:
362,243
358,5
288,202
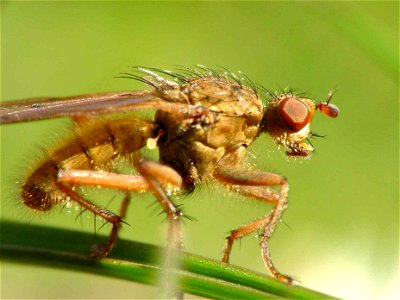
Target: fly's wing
48,108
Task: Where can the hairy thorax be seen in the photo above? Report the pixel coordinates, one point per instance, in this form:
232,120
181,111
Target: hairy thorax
231,121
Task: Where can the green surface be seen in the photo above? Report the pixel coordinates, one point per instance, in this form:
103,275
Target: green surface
138,262
340,232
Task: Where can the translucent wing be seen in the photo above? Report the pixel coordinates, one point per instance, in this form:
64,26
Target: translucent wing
48,108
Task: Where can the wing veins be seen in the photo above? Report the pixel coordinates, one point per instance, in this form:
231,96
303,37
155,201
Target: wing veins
47,108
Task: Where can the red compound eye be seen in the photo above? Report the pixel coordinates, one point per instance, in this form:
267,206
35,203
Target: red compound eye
295,113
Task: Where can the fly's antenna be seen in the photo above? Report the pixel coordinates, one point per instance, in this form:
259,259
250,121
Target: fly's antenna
327,108
330,95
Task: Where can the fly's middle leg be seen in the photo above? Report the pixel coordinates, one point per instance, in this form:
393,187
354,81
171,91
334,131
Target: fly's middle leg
156,175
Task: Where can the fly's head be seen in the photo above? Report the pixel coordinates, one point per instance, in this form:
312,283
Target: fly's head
287,119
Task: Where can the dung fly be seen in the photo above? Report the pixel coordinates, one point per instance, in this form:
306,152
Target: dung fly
204,122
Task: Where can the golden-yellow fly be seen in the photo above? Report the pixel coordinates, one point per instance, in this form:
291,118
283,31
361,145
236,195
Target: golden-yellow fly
204,122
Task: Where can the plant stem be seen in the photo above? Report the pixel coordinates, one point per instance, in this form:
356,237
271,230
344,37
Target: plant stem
140,262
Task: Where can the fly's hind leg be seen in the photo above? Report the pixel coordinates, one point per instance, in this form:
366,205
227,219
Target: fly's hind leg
114,219
67,178
153,176
256,185
104,250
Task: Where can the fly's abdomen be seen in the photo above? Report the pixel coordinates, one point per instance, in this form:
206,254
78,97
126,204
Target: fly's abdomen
94,147
40,192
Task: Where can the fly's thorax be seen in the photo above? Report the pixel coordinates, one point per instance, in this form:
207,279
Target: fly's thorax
195,145
230,110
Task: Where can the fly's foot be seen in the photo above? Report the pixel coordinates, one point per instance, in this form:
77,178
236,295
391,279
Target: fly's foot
228,247
99,251
285,279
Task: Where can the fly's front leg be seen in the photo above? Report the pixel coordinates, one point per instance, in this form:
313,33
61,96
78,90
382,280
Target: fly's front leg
256,184
241,232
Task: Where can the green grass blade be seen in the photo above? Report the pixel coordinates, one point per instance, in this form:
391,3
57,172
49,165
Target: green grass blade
140,262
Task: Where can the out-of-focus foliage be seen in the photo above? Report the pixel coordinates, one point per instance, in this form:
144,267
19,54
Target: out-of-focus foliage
340,232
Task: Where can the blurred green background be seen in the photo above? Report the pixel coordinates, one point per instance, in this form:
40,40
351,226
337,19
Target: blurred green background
340,232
